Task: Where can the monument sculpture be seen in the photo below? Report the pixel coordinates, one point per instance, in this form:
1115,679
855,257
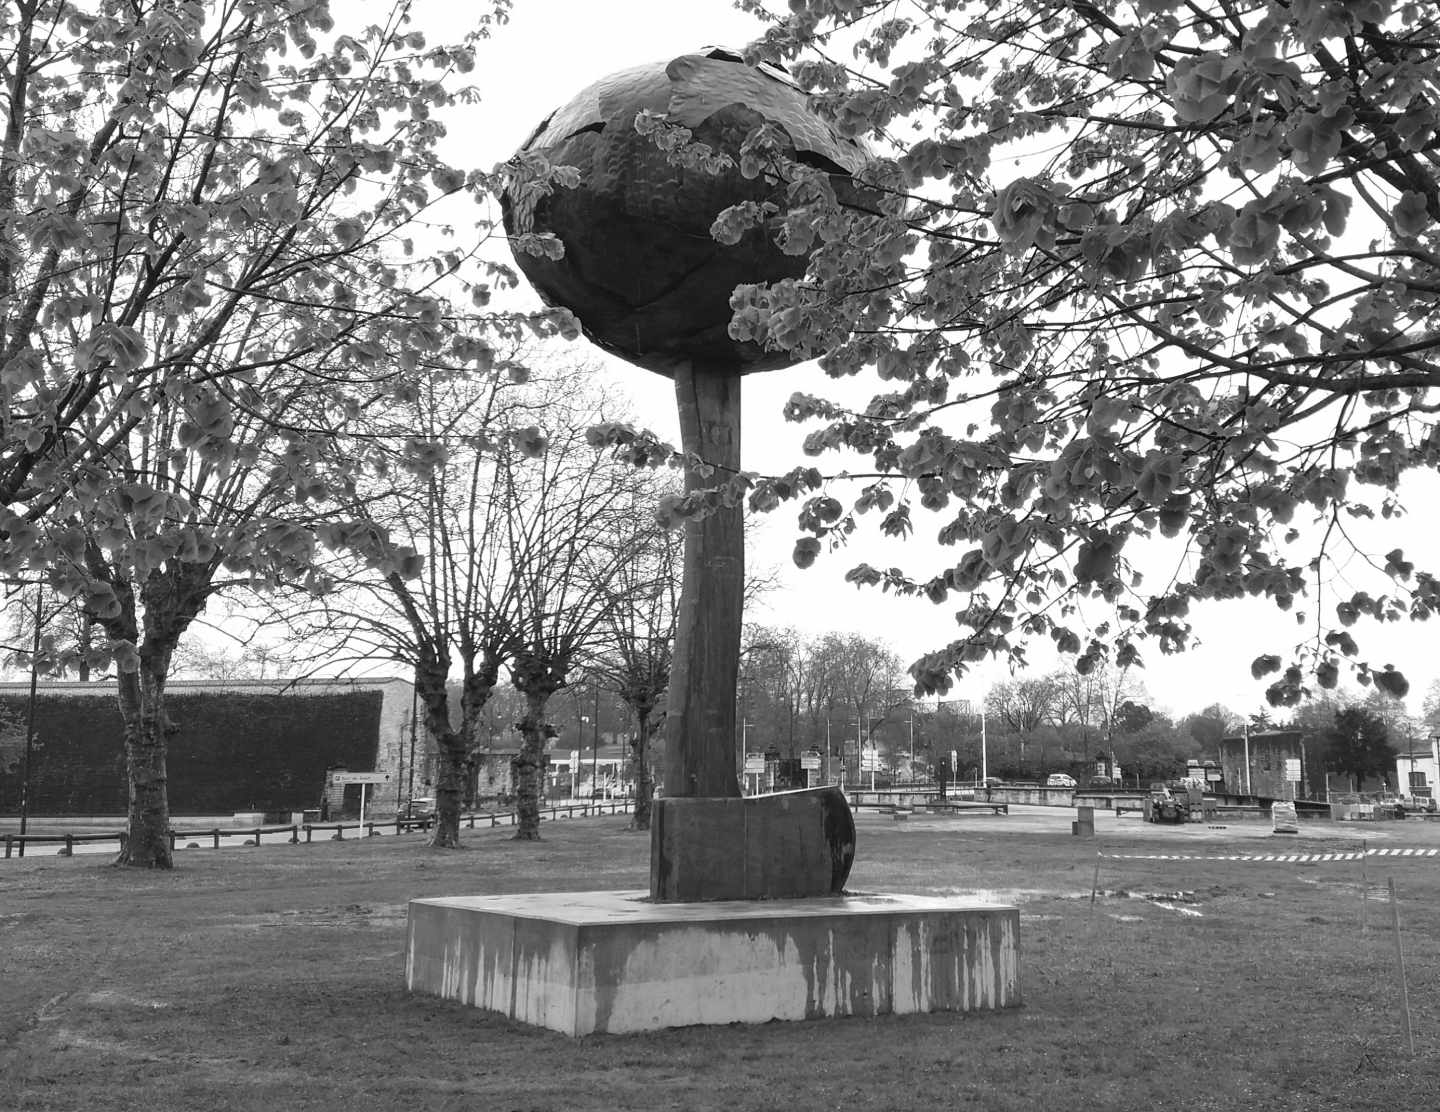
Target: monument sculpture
747,918
648,282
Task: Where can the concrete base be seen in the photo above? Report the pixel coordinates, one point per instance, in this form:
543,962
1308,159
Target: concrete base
585,962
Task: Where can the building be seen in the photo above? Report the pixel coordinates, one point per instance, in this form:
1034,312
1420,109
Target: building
1417,771
1271,764
246,745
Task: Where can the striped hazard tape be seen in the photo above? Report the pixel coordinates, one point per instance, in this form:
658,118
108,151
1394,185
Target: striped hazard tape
1352,855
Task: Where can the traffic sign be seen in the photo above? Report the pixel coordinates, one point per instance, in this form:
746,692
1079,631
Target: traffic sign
359,777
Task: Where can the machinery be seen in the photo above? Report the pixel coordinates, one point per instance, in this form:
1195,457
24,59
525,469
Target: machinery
1166,805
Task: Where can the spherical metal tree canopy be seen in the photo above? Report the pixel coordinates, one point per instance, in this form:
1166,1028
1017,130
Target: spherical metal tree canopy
641,271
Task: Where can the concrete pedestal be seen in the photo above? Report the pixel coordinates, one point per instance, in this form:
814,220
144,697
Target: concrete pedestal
584,962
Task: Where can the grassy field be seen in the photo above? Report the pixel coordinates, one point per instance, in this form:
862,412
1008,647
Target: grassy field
272,979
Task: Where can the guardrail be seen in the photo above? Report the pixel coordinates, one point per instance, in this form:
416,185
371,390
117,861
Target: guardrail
15,843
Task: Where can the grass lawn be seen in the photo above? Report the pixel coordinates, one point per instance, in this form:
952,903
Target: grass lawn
271,978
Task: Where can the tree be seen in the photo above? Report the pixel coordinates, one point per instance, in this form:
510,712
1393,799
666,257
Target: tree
208,214
1149,275
1209,726
1430,709
638,632
1358,745
863,675
422,560
577,519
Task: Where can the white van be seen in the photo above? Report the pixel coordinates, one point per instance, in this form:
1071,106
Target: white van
1060,780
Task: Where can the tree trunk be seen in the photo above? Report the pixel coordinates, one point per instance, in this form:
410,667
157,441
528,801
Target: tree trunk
173,597
142,709
431,674
640,754
700,720
529,767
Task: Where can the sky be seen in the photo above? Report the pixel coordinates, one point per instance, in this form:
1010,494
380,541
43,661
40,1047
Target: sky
549,51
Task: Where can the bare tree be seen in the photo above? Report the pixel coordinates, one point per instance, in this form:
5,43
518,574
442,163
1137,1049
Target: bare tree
638,633
576,522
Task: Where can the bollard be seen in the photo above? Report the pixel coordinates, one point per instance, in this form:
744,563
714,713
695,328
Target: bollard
7,847
1084,824
216,834
308,833
172,841
294,835
69,845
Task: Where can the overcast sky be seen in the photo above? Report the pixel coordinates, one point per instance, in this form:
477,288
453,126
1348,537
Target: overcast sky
553,48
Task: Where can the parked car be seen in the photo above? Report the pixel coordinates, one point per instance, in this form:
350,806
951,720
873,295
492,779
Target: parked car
1060,780
421,807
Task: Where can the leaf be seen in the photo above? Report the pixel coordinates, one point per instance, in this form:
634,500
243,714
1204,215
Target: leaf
1265,665
348,232
1411,213
1391,682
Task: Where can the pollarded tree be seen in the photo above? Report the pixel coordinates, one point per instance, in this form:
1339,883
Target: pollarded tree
577,519
421,574
206,207
637,632
1134,269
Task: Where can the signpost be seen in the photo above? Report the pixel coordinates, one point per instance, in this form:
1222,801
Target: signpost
364,779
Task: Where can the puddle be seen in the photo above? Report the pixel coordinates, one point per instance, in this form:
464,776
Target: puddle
1011,895
1178,908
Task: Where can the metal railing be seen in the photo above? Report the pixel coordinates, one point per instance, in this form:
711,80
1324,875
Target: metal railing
304,833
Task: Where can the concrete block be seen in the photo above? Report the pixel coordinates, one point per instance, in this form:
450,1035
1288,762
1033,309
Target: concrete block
616,962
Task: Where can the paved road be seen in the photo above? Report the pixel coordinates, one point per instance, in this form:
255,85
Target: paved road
1056,820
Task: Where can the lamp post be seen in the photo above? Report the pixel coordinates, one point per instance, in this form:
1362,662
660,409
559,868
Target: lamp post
30,715
580,748
595,753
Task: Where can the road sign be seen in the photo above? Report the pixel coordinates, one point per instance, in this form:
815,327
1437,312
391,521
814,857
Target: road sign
810,760
755,764
359,777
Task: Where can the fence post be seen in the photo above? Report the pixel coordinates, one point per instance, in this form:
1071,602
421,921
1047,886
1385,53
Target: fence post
1400,966
69,845
171,832
257,835
7,847
216,833
294,835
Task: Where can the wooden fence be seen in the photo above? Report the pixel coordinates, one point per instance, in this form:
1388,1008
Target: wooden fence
298,833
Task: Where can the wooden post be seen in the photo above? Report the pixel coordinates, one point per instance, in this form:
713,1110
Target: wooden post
1400,967
700,719
1364,889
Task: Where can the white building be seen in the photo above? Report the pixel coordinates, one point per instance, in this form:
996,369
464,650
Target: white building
1417,771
